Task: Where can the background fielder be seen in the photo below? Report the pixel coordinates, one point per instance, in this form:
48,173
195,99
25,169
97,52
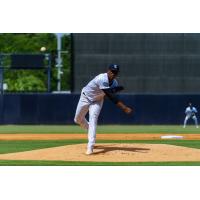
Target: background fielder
91,99
190,112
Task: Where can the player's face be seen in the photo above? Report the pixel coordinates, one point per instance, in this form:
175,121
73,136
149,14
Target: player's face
111,75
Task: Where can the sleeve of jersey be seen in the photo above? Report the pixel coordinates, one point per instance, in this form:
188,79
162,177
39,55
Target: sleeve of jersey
115,83
102,83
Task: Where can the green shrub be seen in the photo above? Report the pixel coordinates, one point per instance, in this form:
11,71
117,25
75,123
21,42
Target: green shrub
32,80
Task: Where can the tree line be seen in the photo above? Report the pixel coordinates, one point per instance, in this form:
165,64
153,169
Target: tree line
35,80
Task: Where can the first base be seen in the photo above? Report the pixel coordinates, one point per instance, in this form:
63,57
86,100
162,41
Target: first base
171,137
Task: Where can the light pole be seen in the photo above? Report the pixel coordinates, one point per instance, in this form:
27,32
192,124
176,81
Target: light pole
59,59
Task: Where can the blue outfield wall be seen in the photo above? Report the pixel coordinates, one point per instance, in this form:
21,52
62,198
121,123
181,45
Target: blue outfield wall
60,109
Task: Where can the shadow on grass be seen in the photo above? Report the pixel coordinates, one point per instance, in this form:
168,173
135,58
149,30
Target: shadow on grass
106,149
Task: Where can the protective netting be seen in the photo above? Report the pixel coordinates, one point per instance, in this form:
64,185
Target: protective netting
150,63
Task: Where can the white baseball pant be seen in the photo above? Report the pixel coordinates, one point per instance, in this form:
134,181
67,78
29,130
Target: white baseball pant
188,117
94,108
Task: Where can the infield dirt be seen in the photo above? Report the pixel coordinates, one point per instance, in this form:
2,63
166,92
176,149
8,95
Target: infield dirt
104,136
109,152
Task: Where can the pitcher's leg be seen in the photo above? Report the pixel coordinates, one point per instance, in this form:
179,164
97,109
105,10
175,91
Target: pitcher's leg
81,111
94,111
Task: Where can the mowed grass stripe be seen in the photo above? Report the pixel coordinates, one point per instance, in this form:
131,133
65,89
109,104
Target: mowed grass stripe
100,129
20,146
74,163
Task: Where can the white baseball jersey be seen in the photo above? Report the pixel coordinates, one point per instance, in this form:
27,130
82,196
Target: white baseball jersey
190,111
93,90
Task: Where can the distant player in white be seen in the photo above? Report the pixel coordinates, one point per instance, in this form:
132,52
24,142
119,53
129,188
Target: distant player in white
91,99
190,112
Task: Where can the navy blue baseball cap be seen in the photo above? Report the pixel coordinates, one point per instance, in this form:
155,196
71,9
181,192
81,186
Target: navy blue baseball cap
114,68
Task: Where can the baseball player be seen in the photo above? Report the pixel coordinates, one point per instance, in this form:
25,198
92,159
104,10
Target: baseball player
190,112
92,98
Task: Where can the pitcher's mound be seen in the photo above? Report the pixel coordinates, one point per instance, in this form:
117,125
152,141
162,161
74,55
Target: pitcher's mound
110,153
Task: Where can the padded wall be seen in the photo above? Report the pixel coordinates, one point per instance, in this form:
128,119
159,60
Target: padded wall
60,109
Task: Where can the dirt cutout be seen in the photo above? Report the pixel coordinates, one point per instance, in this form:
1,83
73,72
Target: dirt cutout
104,136
110,152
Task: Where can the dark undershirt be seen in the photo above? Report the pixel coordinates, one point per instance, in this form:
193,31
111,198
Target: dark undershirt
111,96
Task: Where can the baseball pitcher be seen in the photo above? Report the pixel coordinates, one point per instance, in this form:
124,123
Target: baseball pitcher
92,98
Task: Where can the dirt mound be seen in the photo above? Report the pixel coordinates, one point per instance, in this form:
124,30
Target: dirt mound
110,153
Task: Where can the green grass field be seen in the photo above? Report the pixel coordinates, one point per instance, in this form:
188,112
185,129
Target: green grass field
19,146
100,129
